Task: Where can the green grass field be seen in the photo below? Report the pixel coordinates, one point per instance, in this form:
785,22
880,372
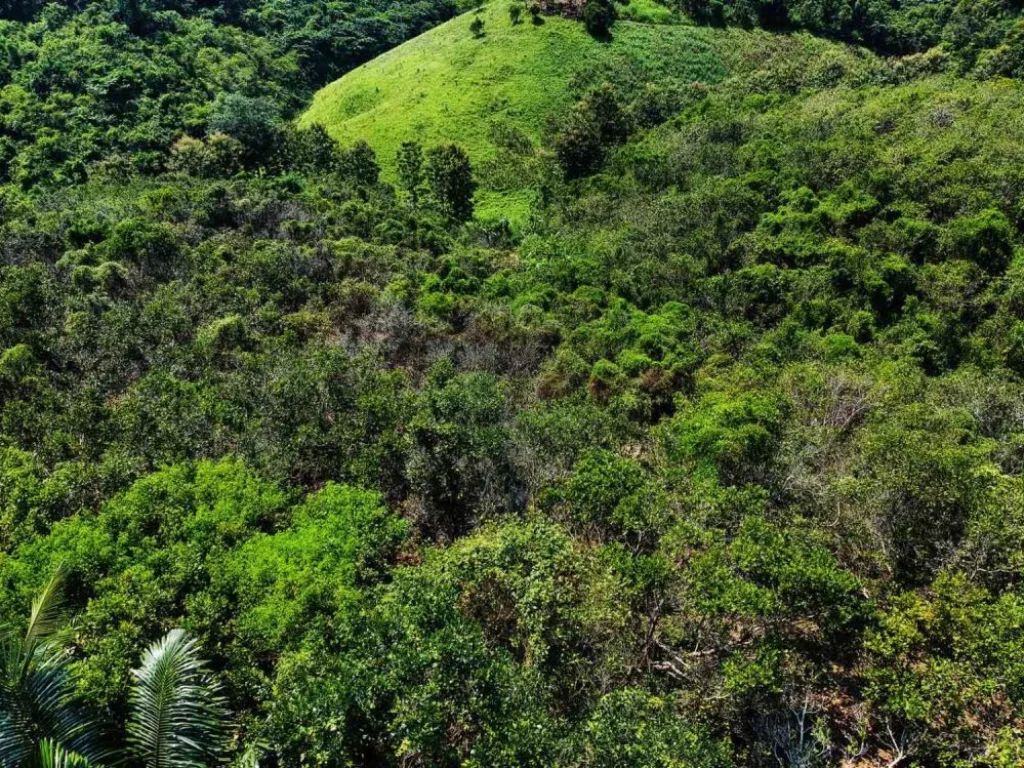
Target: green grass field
648,12
448,85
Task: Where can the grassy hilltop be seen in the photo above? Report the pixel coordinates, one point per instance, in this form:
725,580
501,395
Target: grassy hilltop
448,85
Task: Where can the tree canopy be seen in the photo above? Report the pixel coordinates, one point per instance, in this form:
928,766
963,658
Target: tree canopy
687,433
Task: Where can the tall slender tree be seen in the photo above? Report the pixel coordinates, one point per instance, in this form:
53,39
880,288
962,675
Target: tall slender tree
410,169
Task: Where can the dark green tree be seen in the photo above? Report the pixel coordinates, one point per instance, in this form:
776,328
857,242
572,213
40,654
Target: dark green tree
598,16
314,150
359,165
450,175
410,169
603,107
596,124
578,145
134,14
255,122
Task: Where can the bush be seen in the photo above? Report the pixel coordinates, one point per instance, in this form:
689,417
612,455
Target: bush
297,582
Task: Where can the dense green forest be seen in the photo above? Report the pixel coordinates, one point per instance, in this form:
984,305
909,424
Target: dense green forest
109,86
658,405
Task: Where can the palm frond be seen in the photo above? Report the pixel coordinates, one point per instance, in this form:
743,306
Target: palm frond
47,612
178,717
52,754
36,688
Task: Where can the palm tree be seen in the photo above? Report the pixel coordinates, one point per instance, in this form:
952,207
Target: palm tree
178,718
36,688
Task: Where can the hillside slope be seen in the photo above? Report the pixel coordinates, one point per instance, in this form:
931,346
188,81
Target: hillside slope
448,85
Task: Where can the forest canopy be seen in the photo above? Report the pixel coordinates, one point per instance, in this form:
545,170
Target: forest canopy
687,432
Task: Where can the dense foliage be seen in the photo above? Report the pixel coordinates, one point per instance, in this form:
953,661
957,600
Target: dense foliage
715,459
105,88
973,28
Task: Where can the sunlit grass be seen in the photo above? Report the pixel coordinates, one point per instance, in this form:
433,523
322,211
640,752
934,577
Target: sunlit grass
448,85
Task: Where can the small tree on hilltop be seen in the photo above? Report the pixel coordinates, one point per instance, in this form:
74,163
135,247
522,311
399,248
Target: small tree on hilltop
598,17
477,27
515,13
450,175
